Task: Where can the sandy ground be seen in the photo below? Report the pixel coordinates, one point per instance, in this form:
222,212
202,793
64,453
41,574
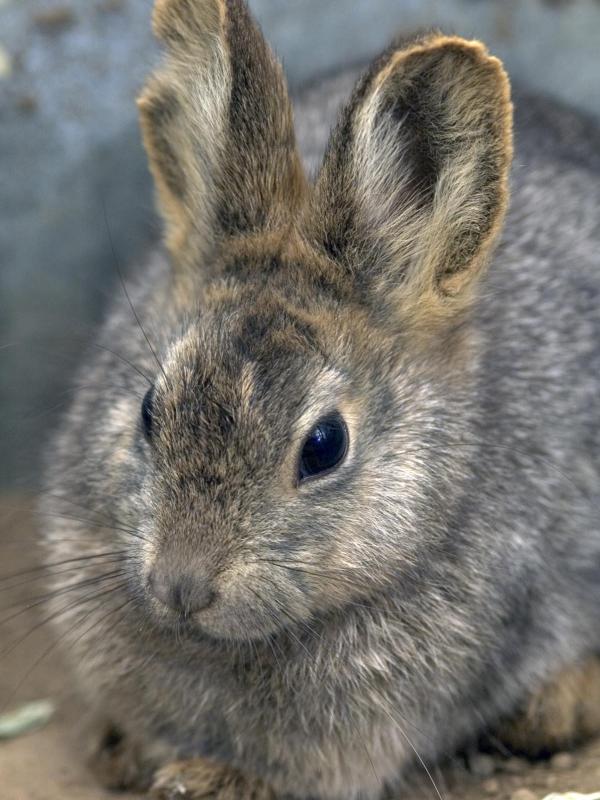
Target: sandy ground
49,764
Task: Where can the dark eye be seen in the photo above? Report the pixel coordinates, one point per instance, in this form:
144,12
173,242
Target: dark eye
325,447
148,412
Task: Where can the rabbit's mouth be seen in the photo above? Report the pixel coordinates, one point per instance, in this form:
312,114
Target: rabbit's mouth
230,610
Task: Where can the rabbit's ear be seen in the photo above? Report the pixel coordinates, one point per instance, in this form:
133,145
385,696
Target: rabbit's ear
413,188
218,127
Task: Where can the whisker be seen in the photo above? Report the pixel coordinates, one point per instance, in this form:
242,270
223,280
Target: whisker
124,360
131,306
75,356
108,524
57,642
41,544
41,599
284,612
54,616
302,623
97,512
38,415
45,572
271,644
52,564
418,756
330,576
89,523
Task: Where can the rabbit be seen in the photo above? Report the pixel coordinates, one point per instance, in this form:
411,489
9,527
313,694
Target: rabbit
329,491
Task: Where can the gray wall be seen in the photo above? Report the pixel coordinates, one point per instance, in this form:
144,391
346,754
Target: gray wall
70,152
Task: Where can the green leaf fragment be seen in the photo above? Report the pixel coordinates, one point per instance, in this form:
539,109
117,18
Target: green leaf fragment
26,718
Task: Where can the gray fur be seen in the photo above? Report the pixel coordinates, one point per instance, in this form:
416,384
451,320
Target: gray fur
477,521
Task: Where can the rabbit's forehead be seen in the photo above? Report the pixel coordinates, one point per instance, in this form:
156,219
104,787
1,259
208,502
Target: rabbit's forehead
260,360
266,333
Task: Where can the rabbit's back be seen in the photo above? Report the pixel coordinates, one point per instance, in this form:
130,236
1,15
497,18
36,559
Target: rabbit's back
540,300
539,391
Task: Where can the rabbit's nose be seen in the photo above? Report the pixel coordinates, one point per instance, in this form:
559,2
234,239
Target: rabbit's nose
185,593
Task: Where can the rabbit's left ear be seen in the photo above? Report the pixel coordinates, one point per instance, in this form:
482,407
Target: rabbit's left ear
413,188
218,127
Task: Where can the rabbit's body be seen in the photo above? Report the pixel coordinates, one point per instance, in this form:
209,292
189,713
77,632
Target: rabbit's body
398,607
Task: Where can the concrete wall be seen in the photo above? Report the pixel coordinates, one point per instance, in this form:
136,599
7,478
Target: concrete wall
70,151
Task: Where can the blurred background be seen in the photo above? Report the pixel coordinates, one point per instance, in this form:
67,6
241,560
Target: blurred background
70,151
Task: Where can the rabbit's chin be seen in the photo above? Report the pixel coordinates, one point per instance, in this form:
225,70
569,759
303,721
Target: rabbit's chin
225,622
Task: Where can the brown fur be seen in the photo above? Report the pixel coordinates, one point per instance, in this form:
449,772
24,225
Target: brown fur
123,762
202,778
560,715
234,143
436,112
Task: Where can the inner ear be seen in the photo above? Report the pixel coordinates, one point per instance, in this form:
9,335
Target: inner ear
413,188
451,105
218,127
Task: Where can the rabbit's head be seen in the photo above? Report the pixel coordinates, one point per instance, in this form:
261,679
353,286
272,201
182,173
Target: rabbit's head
288,456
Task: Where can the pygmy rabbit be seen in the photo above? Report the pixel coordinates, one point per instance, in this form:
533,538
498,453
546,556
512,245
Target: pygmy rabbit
332,482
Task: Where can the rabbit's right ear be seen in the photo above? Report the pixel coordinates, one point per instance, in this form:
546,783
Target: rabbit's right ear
218,128
413,188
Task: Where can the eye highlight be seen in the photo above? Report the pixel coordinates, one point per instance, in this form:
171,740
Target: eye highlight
325,447
147,413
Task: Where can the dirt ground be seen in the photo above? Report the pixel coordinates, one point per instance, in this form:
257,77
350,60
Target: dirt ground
49,764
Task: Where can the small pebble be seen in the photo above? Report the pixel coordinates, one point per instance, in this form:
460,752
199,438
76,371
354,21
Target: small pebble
491,786
562,761
515,766
481,765
523,794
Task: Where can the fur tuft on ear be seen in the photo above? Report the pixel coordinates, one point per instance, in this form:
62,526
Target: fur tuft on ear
188,23
413,188
218,128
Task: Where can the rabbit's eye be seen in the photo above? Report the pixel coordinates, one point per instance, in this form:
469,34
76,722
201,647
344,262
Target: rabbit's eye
148,412
325,448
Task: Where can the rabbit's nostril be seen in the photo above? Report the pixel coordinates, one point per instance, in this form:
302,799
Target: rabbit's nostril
185,594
